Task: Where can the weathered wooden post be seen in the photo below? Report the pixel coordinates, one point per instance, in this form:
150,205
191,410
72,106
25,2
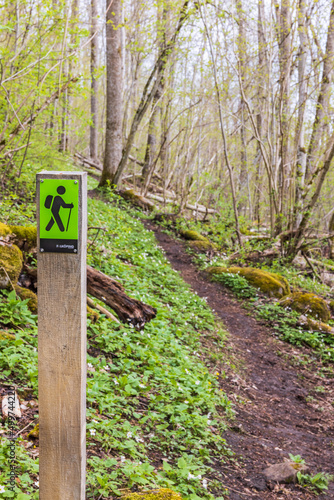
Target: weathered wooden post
62,237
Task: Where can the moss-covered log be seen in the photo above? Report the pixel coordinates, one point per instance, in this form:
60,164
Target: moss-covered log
270,284
162,494
112,293
137,200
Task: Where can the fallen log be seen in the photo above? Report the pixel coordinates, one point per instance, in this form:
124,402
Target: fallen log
112,293
199,208
88,161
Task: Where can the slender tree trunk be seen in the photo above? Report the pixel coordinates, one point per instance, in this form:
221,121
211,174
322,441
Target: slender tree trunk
241,43
299,136
322,104
263,69
222,129
93,142
114,112
149,92
284,102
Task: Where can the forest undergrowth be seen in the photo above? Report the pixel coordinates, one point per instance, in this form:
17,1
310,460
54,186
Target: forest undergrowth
155,413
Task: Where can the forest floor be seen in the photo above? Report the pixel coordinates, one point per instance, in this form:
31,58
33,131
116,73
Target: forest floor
282,405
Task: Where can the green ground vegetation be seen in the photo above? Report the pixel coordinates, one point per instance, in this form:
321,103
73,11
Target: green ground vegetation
149,392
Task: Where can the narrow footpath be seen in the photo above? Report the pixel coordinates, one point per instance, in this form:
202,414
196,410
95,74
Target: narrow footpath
278,410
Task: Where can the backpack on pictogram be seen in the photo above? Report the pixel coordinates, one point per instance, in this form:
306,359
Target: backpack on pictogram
48,201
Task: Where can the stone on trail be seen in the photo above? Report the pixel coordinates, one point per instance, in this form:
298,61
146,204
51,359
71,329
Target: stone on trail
285,472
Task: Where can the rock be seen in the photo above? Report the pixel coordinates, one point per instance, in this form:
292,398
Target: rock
201,246
308,304
10,264
24,294
285,472
161,494
25,236
11,405
34,434
192,235
327,278
270,284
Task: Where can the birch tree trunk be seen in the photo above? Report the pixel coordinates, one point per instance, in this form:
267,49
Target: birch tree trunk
114,85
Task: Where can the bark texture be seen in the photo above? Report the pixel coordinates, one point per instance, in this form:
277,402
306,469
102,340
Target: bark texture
114,115
112,293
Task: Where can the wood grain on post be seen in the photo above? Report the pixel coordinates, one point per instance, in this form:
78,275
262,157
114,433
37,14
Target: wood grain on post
62,352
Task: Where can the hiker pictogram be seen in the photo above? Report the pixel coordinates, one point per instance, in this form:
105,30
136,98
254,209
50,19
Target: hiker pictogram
55,204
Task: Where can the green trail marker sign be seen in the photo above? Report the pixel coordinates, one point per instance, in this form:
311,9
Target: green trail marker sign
59,209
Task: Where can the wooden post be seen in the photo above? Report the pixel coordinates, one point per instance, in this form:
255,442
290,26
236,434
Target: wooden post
62,242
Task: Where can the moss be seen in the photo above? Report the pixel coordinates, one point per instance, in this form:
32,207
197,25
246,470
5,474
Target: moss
4,229
25,234
270,284
11,260
192,235
201,246
92,315
25,293
309,304
34,434
331,306
6,336
162,494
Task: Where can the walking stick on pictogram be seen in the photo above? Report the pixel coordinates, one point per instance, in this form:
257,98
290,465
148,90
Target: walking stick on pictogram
69,216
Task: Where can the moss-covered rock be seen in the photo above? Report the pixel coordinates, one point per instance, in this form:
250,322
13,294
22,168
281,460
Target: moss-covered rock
192,235
92,315
270,284
308,304
4,230
10,264
136,199
201,246
34,434
25,234
24,294
6,336
162,494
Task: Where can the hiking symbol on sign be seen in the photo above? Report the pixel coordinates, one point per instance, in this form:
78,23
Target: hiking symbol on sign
59,215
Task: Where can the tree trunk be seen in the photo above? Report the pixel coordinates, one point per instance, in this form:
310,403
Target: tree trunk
149,92
93,144
300,140
322,104
243,176
263,69
112,293
114,114
284,101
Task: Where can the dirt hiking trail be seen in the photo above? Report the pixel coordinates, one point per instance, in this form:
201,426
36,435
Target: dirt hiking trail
280,412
